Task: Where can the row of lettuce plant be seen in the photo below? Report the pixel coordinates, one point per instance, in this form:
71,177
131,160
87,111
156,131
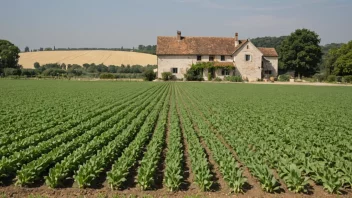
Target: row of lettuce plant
149,164
91,169
173,172
229,167
28,140
9,165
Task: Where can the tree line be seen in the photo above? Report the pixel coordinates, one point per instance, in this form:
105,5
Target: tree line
149,49
74,70
301,52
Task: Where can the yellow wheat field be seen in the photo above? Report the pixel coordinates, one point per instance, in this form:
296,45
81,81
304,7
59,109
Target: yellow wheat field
28,59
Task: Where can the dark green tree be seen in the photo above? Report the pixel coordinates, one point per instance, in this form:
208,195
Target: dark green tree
36,65
112,69
8,55
26,49
63,66
149,75
92,69
341,60
301,52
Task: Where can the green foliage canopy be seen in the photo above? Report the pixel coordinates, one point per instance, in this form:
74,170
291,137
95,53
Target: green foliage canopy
8,55
339,60
301,52
149,75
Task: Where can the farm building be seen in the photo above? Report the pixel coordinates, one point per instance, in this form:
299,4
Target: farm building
228,55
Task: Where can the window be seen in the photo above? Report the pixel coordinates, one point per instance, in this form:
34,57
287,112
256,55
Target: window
225,72
222,58
211,58
199,58
174,70
248,57
247,46
267,72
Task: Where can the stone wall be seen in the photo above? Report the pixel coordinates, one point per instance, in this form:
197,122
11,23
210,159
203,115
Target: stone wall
183,63
271,63
251,69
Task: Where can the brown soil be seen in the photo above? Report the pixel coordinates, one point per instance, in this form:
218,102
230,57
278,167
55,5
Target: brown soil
20,192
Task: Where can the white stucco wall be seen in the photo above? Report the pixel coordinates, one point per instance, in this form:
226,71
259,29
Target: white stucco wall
248,69
218,73
165,63
271,64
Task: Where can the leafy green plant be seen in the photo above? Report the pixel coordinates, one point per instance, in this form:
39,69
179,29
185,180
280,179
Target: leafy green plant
284,77
217,79
330,180
148,166
331,78
172,174
166,76
293,178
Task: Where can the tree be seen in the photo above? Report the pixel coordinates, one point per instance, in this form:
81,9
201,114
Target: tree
340,60
36,65
92,69
63,66
112,69
301,52
8,55
12,71
86,66
149,75
26,49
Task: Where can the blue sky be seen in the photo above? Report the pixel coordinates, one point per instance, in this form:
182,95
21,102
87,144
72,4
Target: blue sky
116,23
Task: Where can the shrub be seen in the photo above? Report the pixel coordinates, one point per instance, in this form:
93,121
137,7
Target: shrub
319,77
210,77
193,75
338,78
149,75
233,78
28,72
166,76
348,79
106,76
284,78
12,72
217,79
331,78
308,79
53,72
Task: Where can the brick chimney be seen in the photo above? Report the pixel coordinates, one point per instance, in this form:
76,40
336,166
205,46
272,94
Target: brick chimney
178,35
236,40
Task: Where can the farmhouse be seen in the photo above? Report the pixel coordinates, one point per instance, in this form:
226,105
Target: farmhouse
227,56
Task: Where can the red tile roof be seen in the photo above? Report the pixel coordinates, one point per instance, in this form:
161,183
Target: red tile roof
223,64
268,52
170,45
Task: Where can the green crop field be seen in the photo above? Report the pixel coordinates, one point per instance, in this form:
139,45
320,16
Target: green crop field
65,138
